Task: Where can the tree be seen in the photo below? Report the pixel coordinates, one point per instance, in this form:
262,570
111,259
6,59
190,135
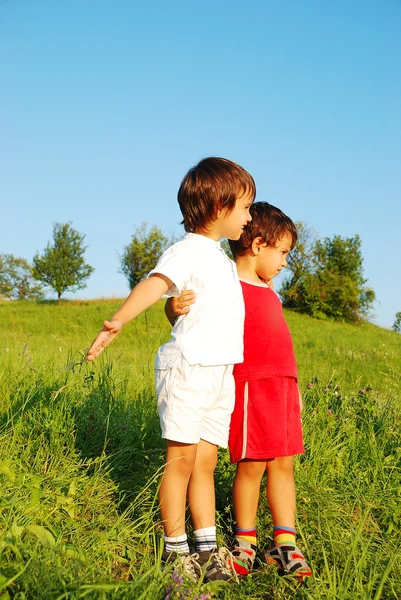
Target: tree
226,247
300,260
62,266
16,279
397,322
142,253
331,283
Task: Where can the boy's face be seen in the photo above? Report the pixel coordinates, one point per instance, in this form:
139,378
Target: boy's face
270,260
232,223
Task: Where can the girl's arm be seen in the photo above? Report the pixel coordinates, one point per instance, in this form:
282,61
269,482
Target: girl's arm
143,295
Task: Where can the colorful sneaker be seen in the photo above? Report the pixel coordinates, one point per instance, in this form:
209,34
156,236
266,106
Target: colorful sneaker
184,564
290,561
243,558
217,565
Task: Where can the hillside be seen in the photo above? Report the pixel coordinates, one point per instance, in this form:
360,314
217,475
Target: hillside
80,458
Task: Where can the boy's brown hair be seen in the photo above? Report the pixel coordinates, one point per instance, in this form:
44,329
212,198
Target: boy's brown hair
211,185
269,223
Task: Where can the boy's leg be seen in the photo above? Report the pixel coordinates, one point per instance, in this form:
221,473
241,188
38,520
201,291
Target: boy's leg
246,492
280,490
281,496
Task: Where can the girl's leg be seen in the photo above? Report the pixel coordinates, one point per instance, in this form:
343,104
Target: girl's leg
202,505
201,494
180,460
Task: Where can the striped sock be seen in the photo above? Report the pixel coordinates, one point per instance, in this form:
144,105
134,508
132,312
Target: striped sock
205,539
177,544
284,535
244,551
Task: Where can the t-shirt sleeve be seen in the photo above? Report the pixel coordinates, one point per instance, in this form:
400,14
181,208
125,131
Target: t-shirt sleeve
173,263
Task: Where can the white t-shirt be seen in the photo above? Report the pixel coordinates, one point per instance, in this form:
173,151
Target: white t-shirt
213,330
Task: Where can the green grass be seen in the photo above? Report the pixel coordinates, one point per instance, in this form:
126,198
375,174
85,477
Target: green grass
81,459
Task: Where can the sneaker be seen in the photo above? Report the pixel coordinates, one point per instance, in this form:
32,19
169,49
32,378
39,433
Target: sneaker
243,558
290,561
184,564
217,565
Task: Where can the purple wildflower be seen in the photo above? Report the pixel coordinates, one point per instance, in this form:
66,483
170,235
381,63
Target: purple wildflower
178,579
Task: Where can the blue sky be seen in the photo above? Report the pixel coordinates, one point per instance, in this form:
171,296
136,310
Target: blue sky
105,105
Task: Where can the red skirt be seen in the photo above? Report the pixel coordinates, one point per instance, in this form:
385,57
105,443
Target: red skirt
266,422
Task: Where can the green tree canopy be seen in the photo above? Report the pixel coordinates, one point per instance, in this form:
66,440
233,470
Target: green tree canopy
62,266
330,282
142,253
226,247
300,259
16,279
397,322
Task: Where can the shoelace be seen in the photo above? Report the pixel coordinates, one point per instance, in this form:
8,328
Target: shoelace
225,560
190,565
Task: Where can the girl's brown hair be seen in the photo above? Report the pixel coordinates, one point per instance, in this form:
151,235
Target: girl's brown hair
211,185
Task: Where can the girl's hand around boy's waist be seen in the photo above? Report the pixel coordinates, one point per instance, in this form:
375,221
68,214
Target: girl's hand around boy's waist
180,305
110,330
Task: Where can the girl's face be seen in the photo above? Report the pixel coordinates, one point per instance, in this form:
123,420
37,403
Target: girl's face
232,223
271,259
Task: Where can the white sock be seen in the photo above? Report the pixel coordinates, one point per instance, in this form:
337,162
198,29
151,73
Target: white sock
205,539
177,544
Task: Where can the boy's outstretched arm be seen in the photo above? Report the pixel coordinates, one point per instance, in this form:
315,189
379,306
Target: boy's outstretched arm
177,306
144,294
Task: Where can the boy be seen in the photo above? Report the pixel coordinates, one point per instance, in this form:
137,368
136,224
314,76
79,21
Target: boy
194,381
265,430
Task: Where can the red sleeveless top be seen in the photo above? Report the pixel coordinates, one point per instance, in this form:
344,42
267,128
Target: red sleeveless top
268,347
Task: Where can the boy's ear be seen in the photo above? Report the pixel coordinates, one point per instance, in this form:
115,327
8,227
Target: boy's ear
257,244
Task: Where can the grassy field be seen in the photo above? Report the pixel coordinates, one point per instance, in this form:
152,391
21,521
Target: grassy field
81,459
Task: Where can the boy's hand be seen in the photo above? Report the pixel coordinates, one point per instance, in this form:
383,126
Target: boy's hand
110,330
175,307
181,305
301,404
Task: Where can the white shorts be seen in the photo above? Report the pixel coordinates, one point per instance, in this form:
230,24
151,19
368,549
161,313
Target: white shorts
195,402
